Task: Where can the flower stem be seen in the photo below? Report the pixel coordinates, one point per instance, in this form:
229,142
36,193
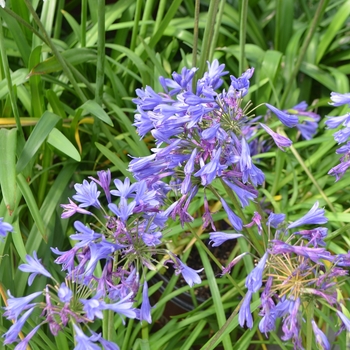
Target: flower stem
242,34
309,317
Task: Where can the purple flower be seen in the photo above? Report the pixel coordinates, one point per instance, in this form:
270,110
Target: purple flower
345,320
217,238
280,140
314,236
248,169
256,220
286,119
245,315
244,195
228,268
87,194
24,343
235,220
339,99
314,216
123,307
71,208
11,335
34,266
93,306
65,258
108,345
275,219
84,342
64,293
4,228
190,275
334,122
124,210
321,339
86,235
16,305
123,189
145,311
104,180
241,84
342,135
209,171
291,325
152,239
339,170
254,280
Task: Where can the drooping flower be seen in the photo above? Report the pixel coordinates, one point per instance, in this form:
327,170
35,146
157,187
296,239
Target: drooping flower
254,280
12,334
35,267
84,342
15,306
339,99
23,344
217,238
314,216
245,315
286,119
320,337
4,228
275,219
280,140
235,220
71,208
145,310
190,275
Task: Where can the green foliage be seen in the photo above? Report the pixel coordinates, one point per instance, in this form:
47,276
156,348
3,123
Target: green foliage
68,72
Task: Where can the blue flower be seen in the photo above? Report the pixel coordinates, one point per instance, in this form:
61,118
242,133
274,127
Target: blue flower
235,220
64,293
254,280
34,266
280,140
84,342
4,228
275,219
314,216
190,275
71,208
334,122
123,189
93,306
16,305
245,315
339,99
145,311
124,307
217,238
23,345
286,119
320,337
87,194
12,334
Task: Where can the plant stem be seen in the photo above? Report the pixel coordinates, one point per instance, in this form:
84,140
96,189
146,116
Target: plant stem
100,74
309,317
195,34
242,34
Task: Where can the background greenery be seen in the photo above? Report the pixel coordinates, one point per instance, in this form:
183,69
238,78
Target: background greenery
68,72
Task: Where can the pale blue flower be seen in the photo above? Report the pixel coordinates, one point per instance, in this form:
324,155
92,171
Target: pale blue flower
34,266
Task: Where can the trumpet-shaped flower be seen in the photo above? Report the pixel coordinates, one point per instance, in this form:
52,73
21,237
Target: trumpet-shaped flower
35,267
314,216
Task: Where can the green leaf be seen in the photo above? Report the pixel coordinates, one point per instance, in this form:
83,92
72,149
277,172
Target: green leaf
32,206
17,78
60,141
94,108
73,56
8,144
36,138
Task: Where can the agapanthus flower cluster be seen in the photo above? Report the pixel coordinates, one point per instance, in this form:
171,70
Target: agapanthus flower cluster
201,134
341,136
124,239
295,271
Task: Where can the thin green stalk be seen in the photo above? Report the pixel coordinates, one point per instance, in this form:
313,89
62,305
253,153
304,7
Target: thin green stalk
207,37
242,34
136,21
312,178
100,66
10,90
309,318
216,261
195,33
147,14
160,12
216,30
59,57
303,50
83,22
278,171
